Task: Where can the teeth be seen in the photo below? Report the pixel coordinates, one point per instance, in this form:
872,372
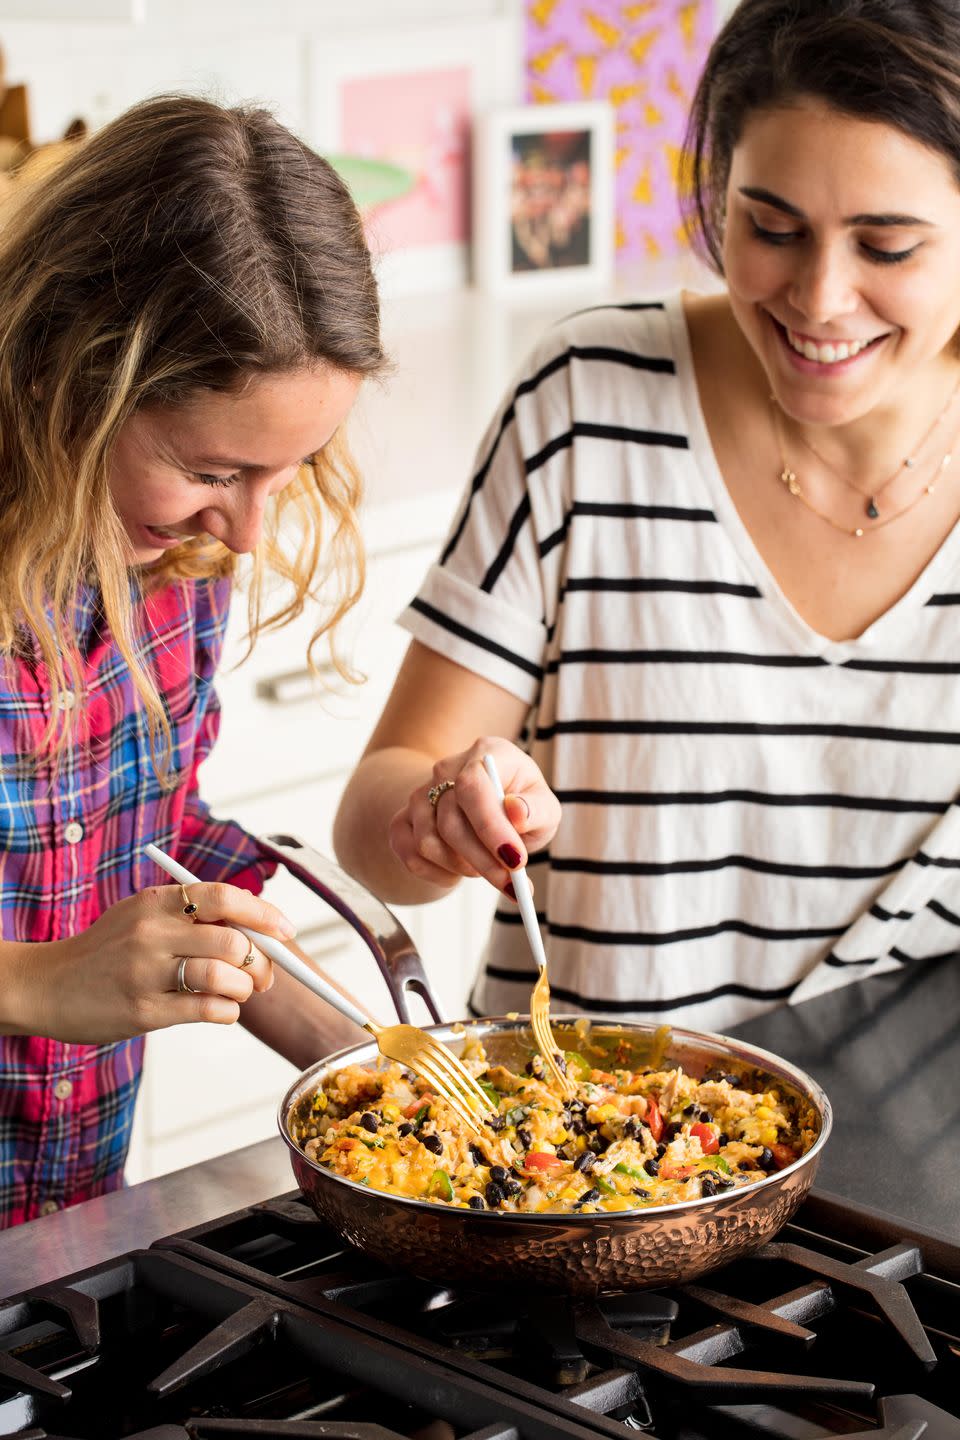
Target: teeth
827,354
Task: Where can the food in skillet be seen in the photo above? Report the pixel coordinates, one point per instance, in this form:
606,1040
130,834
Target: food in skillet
630,1139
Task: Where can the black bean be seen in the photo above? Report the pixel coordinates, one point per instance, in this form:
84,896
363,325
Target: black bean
565,1118
725,1183
561,1064
563,1153
746,1165
733,1080
405,1129
707,1186
478,1156
671,1131
494,1193
588,1197
434,1143
578,1125
512,1187
652,1167
661,1150
477,1202
496,1123
766,1161
525,1138
369,1122
584,1162
690,1110
644,1194
631,1126
576,1107
723,1138
705,1117
498,1173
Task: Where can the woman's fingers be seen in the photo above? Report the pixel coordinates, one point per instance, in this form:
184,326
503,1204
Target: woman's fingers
204,975
219,908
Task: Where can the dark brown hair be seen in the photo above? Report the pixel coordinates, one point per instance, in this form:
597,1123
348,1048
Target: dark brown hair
894,61
186,246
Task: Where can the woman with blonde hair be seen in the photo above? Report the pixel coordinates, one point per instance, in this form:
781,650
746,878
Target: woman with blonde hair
187,312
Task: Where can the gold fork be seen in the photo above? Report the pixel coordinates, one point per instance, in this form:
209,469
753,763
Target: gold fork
540,997
406,1044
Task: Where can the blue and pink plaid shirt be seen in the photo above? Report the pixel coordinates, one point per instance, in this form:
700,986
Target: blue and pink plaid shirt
71,845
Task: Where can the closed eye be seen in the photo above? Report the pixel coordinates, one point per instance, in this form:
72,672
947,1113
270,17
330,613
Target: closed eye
232,479
880,257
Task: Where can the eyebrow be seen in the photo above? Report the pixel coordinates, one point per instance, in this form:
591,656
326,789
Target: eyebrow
767,197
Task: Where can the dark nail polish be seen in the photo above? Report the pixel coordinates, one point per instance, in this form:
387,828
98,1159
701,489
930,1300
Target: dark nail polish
510,856
509,890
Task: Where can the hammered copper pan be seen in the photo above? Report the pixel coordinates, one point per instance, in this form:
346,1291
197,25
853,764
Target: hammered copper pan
580,1254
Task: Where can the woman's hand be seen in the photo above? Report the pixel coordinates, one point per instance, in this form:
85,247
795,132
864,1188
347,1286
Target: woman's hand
468,832
119,978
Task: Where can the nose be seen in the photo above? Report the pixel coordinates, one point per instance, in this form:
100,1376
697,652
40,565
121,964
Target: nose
237,520
823,286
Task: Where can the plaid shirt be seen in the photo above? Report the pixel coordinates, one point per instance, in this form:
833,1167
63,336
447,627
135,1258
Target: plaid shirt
71,845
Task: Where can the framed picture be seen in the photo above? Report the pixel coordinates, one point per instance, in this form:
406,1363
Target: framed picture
543,197
408,98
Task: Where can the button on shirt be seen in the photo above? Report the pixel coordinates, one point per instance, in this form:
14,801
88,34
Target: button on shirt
71,845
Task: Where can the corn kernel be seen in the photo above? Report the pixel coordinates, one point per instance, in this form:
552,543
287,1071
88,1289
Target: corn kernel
606,1112
763,1112
390,1112
768,1135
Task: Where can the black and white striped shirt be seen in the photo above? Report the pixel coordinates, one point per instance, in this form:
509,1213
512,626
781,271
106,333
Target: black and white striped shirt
737,789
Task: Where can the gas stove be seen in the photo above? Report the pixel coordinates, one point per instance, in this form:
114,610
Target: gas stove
265,1323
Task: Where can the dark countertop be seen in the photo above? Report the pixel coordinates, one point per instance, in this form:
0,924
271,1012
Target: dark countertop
887,1052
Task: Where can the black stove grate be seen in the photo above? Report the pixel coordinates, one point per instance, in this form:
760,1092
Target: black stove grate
807,1338
153,1347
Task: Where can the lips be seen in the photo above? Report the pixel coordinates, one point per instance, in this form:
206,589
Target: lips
826,352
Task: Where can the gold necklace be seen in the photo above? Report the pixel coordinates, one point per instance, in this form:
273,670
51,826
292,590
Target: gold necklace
788,479
909,462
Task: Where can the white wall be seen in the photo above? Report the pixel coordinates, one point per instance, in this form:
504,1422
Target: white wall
231,50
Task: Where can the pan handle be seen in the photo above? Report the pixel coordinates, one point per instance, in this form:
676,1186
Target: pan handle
379,929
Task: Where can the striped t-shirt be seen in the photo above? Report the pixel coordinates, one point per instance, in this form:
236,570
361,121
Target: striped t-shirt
737,789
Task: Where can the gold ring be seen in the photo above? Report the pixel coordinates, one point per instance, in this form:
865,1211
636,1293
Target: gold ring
189,909
248,959
435,791
182,986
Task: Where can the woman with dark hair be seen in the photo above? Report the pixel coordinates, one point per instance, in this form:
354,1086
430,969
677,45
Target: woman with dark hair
699,598
187,311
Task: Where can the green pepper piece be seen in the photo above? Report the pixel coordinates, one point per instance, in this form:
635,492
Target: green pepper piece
440,1185
372,1142
421,1115
517,1113
623,1169
491,1092
720,1164
581,1066
605,1186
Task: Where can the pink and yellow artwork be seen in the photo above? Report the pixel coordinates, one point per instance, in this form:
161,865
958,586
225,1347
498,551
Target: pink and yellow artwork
421,122
645,58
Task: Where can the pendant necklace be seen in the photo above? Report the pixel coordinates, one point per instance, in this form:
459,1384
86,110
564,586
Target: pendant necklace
909,462
788,479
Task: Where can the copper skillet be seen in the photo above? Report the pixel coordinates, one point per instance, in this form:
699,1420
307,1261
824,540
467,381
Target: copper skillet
579,1254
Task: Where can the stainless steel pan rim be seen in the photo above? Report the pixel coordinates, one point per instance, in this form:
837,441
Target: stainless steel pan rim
764,1060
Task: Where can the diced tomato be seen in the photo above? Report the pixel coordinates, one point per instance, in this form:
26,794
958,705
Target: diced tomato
784,1155
602,1077
653,1119
676,1172
709,1140
542,1162
425,1099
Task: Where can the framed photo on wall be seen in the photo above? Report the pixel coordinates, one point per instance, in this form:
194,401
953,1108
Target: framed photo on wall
543,197
408,97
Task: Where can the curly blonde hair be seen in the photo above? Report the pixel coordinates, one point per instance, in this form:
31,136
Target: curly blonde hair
184,247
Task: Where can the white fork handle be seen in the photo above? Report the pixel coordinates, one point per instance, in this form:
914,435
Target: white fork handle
521,885
278,953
